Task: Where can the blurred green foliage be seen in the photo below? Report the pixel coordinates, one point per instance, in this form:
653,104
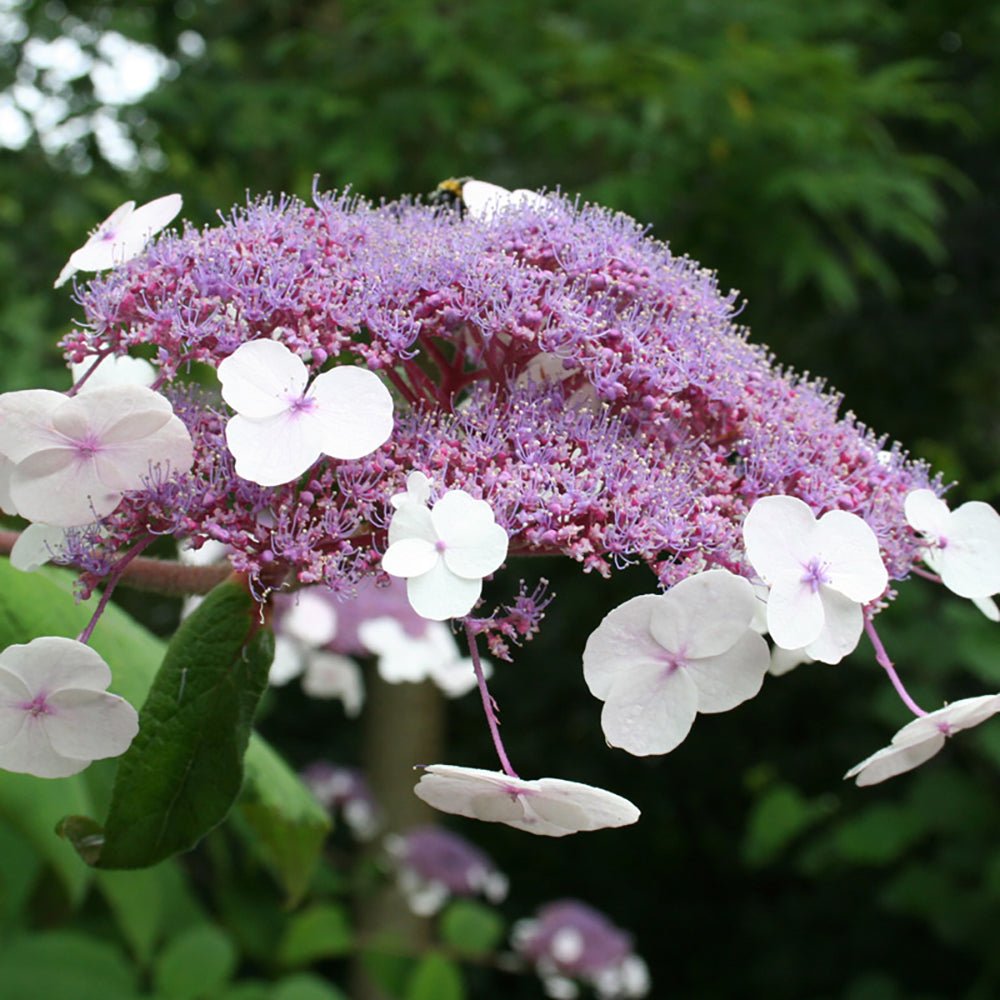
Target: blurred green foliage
837,163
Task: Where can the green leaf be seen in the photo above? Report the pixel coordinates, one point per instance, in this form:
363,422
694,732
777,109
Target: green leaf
435,978
184,770
34,806
780,815
471,928
196,963
141,903
289,825
64,966
21,866
322,931
306,986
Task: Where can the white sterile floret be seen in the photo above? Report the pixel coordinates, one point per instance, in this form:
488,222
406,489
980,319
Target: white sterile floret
74,457
434,655
964,544
657,661
121,236
549,807
112,370
55,714
484,201
282,427
36,545
922,738
443,552
820,573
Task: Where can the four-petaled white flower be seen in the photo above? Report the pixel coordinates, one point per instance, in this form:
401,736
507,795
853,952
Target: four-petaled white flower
550,807
442,552
281,427
922,738
820,573
74,457
434,655
657,661
55,714
964,544
484,201
121,236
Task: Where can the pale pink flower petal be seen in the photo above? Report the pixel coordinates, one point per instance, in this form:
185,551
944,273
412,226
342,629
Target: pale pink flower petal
121,236
410,557
814,570
964,544
922,738
281,428
75,457
548,806
55,716
438,594
650,710
443,553
623,641
355,411
658,661
273,450
259,378
732,677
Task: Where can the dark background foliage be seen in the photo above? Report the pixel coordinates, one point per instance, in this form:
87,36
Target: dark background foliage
836,163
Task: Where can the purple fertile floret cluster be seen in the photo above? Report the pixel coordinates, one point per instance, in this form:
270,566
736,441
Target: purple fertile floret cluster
559,363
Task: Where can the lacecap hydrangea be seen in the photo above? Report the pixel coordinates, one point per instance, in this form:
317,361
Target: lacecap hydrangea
433,393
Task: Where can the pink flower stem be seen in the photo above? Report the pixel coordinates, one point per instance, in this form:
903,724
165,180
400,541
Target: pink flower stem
926,574
489,705
79,383
109,588
883,660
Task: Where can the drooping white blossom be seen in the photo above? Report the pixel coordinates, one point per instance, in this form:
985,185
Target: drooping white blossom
283,424
922,738
820,573
658,660
442,552
484,201
550,807
434,655
121,236
74,457
963,544
55,714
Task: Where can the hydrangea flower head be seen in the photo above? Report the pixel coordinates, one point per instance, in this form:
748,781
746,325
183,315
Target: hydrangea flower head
345,791
657,661
550,807
434,864
56,716
820,573
569,941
